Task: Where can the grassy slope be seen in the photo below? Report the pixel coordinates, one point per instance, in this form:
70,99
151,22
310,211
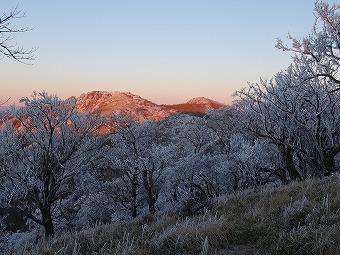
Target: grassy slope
301,218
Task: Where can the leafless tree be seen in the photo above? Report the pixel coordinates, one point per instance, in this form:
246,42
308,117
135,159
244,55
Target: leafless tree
320,49
47,155
8,48
301,117
137,151
3,102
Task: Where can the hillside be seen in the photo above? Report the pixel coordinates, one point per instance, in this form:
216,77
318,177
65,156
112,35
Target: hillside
300,218
137,107
126,103
122,103
196,105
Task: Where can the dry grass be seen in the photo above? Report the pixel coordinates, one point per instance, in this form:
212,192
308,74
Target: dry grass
301,218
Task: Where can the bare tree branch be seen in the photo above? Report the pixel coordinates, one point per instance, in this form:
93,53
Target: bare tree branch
7,47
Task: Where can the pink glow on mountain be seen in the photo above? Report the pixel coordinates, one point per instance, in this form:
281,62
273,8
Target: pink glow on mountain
139,108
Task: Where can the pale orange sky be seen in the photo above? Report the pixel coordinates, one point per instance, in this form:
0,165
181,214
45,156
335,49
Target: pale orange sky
164,51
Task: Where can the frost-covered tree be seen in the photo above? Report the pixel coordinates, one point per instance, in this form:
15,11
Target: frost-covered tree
209,133
250,162
320,50
265,121
298,109
201,168
141,159
191,135
192,139
222,123
201,177
299,116
2,160
47,154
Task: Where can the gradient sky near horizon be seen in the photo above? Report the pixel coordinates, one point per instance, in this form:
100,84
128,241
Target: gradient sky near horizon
164,51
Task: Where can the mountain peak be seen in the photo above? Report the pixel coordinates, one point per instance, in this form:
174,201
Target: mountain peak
138,108
197,105
104,95
121,103
127,103
204,101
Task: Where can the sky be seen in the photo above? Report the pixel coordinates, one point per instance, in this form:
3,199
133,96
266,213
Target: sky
166,51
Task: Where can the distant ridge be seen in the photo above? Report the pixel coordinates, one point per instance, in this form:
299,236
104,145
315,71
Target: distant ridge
139,108
126,103
196,105
122,103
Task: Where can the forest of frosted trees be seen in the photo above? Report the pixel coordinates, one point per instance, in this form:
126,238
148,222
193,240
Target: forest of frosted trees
59,173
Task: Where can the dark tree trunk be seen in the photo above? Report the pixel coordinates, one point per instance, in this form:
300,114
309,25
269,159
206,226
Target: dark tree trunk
152,202
133,208
236,181
133,211
47,221
329,163
302,165
149,187
283,175
289,162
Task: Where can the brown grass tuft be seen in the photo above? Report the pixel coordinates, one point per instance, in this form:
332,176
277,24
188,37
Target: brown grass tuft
300,218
